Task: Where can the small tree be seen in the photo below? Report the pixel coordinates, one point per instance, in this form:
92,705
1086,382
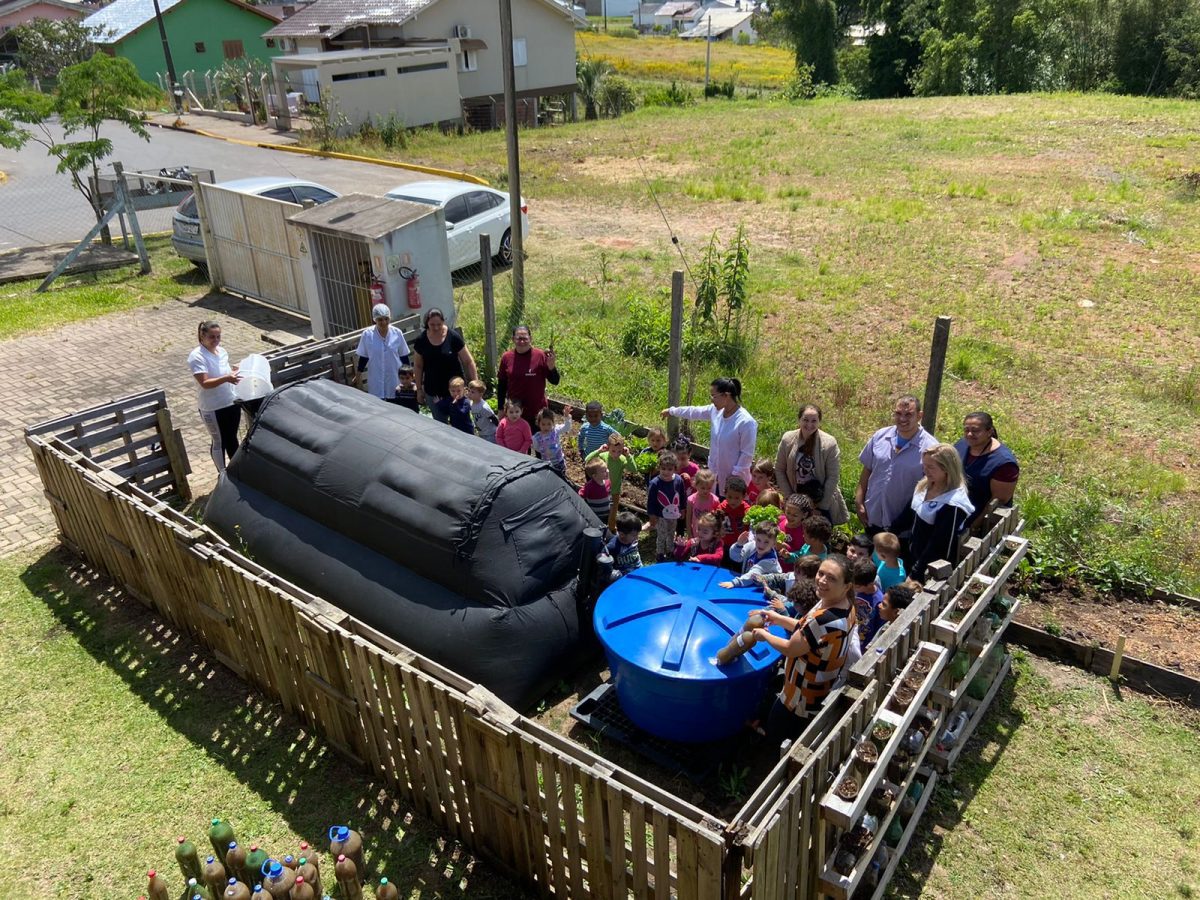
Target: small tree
590,74
46,47
812,25
89,93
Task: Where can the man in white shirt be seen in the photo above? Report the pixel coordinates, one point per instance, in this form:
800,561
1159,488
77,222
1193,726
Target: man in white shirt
381,351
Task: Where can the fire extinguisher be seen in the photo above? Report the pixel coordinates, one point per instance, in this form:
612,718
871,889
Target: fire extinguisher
414,289
376,291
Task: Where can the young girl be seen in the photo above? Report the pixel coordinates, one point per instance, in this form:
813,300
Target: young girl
547,442
796,509
706,547
762,476
684,467
656,441
703,500
664,497
596,492
513,431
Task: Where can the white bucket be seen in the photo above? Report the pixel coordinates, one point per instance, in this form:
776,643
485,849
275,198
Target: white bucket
256,378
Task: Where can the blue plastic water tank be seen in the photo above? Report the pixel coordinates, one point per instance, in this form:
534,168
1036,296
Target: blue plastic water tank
661,627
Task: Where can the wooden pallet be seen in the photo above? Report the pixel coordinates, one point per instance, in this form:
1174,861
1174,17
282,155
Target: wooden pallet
910,829
943,761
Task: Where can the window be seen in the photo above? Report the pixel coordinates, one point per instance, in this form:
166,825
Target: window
271,43
520,57
482,201
423,67
316,195
199,46
233,49
351,76
468,61
280,193
457,210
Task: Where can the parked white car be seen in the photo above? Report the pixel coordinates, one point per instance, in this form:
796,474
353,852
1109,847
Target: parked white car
471,210
185,224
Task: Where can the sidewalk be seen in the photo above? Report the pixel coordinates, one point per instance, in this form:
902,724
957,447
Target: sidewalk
225,129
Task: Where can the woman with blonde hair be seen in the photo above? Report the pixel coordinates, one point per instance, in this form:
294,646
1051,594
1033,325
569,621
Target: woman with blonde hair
939,511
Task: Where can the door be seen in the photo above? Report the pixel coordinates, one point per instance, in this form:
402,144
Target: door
458,232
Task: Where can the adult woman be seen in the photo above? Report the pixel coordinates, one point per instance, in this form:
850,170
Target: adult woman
991,468
814,652
523,373
809,462
439,355
939,511
732,431
218,407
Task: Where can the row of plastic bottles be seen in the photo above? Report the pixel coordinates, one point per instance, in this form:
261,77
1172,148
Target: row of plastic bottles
234,872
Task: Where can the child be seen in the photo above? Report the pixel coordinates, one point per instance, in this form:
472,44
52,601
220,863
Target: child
485,420
406,391
860,547
684,467
594,432
887,558
762,476
895,599
735,507
837,542
818,531
513,431
623,548
757,555
595,491
867,595
703,500
547,442
796,509
619,461
706,547
656,442
458,407
664,502
769,497
798,598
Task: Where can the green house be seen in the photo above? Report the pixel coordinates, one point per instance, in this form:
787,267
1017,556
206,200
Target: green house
202,34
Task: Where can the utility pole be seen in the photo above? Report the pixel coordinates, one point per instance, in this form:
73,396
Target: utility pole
707,55
604,12
937,366
514,162
176,89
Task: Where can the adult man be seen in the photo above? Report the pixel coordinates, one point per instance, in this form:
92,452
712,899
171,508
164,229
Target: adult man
891,463
381,351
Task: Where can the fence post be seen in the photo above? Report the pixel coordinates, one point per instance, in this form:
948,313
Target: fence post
937,366
211,255
123,198
675,360
176,452
489,308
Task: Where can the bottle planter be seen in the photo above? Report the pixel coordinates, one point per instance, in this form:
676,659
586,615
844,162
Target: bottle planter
866,754
903,698
881,733
847,788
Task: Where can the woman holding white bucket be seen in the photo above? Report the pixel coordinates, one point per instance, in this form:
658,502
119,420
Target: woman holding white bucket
210,367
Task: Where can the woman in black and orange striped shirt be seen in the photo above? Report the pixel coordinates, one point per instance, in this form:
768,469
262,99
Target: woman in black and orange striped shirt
814,652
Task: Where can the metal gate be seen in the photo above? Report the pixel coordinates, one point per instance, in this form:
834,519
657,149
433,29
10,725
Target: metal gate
251,248
343,270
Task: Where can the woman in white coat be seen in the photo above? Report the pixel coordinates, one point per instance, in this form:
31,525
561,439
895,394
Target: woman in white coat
733,431
809,462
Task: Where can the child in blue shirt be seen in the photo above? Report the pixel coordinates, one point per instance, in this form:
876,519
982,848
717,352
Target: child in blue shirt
867,596
594,432
887,560
458,406
895,600
757,556
623,548
665,496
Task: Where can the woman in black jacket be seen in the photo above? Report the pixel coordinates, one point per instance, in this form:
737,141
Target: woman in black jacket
939,511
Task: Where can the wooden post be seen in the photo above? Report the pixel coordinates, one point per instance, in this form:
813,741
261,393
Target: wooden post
489,308
1115,672
176,453
212,257
937,366
675,361
123,198
514,160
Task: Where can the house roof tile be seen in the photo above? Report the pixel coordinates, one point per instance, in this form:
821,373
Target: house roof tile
122,18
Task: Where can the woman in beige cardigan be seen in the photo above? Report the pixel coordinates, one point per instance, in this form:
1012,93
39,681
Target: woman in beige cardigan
809,462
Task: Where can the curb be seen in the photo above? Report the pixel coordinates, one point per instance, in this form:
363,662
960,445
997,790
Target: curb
329,154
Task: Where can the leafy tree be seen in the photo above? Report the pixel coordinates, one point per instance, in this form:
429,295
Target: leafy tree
89,93
46,47
814,32
590,74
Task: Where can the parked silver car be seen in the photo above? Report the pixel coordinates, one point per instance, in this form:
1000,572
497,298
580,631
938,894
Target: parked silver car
471,209
185,224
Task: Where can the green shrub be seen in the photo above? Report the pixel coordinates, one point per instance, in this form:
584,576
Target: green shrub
392,132
742,40
854,69
647,334
626,32
675,95
724,88
801,86
617,96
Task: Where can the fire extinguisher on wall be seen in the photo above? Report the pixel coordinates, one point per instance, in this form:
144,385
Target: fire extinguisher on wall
413,290
376,291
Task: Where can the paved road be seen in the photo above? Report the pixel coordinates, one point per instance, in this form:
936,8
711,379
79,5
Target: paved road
40,206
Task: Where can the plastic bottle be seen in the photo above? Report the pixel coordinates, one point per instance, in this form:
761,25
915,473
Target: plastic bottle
302,890
290,862
188,859
346,874
277,879
894,833
255,858
235,862
387,891
220,835
196,889
311,872
343,839
214,876
951,735
236,890
157,889
738,644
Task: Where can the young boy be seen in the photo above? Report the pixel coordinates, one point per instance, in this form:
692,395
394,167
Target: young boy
735,507
596,492
895,599
483,416
619,461
656,442
762,477
757,556
664,503
458,407
867,595
594,432
817,531
888,561
406,391
860,547
623,548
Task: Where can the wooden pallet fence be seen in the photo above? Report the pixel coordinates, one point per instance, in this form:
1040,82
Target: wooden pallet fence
327,357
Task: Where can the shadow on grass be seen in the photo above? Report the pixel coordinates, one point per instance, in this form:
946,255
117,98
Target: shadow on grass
954,792
300,777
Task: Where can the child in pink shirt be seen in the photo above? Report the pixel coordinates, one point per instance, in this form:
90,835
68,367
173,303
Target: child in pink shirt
703,500
513,431
796,509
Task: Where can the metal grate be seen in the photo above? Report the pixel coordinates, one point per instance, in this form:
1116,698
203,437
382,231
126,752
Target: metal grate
343,269
601,712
